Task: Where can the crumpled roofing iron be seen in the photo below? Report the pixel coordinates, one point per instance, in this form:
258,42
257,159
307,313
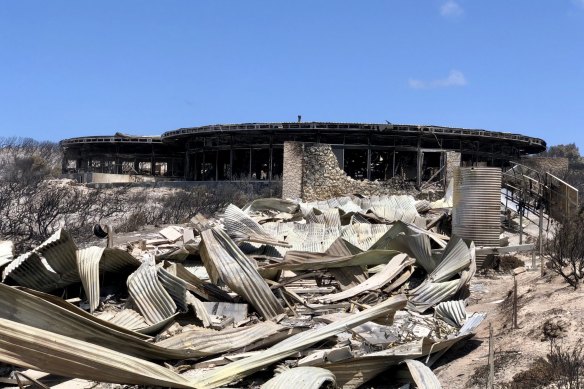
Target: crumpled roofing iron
224,261
306,377
43,350
149,295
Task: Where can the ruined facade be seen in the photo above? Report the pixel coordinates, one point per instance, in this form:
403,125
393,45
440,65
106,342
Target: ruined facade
313,173
255,151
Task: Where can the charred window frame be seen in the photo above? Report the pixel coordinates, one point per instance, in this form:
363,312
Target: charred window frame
381,166
355,163
241,164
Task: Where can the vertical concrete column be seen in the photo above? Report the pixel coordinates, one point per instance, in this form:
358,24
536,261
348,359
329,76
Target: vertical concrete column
293,170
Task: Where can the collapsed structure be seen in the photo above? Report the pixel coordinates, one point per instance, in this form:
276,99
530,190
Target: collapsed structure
324,288
322,293
255,151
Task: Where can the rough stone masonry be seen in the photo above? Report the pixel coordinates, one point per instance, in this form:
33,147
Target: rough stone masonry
312,172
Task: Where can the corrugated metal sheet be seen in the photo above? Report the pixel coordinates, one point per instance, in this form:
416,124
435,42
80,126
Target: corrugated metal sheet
423,206
429,294
422,375
38,269
60,252
407,229
417,246
456,257
391,208
240,226
199,309
306,377
26,346
300,260
75,323
329,217
130,319
239,369
224,260
477,206
204,342
353,373
153,301
32,271
157,327
363,235
347,276
472,323
88,265
395,266
273,204
116,260
203,289
452,312
176,287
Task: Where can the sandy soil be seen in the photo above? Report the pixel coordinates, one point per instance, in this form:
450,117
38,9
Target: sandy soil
539,299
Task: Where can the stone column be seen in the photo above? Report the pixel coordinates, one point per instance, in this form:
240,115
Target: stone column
452,161
293,168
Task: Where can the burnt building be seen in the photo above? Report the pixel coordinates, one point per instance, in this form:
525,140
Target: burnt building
255,151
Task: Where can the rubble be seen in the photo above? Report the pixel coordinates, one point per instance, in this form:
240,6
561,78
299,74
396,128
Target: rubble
331,292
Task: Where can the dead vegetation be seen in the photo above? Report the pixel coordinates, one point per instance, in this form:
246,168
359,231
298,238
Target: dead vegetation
565,250
562,368
34,204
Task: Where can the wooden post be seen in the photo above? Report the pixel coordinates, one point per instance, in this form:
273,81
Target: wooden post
541,239
491,378
515,326
520,209
110,236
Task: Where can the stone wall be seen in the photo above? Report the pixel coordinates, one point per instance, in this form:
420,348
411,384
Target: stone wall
312,172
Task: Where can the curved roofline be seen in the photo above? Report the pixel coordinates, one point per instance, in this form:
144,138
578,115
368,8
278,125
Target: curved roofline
118,138
530,144
374,127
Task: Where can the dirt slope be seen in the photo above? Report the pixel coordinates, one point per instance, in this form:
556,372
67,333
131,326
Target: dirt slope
539,300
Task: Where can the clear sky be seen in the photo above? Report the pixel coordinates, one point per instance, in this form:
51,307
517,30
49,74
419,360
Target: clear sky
75,68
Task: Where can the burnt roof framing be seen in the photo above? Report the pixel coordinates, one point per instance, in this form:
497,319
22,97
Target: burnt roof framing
477,145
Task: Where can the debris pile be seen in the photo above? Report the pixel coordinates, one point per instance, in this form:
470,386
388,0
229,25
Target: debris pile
332,292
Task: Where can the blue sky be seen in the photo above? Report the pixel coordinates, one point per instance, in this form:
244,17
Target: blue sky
75,68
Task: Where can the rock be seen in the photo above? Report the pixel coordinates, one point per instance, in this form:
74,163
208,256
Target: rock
519,270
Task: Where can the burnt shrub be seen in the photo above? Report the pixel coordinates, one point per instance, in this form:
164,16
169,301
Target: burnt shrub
567,365
539,374
565,250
